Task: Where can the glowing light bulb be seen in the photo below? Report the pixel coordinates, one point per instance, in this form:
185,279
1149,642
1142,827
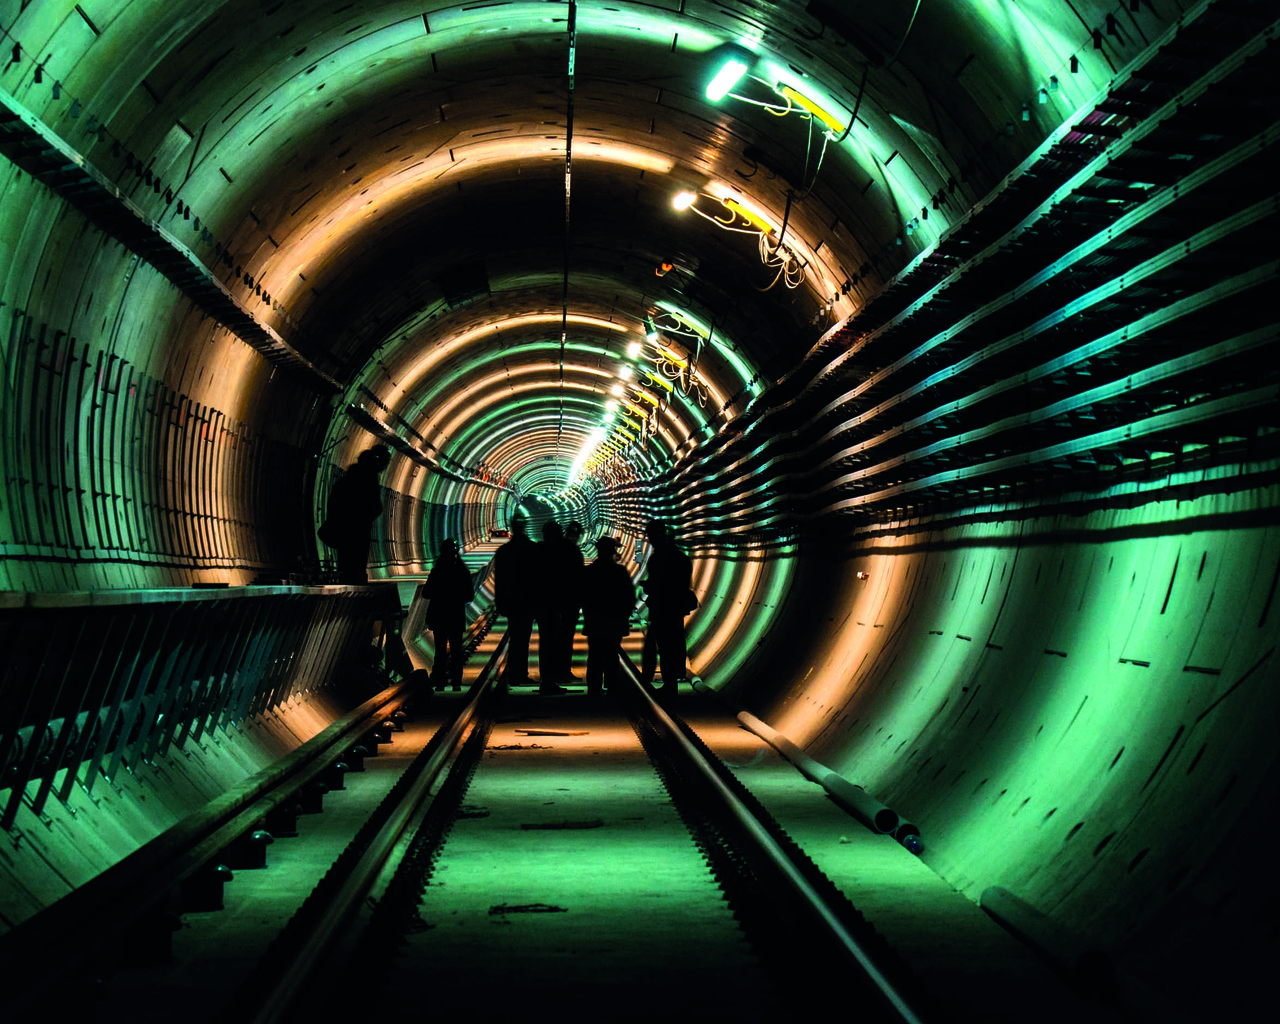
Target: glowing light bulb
626,373
616,391
633,349
684,200
611,405
726,78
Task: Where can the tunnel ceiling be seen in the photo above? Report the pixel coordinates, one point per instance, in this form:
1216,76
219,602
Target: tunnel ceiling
385,185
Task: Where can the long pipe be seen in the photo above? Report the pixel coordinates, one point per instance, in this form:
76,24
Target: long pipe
853,799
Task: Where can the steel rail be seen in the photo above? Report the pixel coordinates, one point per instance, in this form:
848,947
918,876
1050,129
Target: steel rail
786,869
354,887
129,888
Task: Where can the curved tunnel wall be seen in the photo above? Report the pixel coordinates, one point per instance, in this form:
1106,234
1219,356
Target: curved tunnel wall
144,446
1077,708
1093,738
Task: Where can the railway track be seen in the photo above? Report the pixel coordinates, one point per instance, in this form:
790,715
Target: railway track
581,851
543,854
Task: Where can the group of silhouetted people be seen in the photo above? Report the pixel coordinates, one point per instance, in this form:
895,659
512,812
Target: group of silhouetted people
545,582
548,583
533,582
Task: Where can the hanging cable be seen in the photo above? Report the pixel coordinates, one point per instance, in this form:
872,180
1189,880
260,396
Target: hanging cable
903,41
857,104
568,190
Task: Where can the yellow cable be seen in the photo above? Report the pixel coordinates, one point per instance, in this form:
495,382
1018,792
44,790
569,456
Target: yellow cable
826,118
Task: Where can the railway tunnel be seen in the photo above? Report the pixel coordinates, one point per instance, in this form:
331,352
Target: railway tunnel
940,335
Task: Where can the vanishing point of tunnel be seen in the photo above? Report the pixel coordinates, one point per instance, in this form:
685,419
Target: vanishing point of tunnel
940,334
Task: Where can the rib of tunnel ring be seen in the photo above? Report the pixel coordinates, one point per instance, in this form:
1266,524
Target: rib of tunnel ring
953,367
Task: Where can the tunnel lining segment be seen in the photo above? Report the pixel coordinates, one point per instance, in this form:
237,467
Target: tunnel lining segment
1056,138
30,145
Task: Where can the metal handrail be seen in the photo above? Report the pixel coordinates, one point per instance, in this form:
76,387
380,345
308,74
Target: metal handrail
132,673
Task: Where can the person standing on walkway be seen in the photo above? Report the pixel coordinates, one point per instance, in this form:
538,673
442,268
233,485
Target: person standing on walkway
608,598
448,590
553,665
515,572
564,564
355,503
669,586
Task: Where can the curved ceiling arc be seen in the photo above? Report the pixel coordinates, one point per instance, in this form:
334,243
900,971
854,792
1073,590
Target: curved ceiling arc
389,178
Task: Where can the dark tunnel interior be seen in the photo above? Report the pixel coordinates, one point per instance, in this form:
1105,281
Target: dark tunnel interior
939,339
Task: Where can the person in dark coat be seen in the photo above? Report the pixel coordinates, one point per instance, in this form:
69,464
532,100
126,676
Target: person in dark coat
669,586
563,567
515,572
448,589
572,607
553,660
608,598
355,503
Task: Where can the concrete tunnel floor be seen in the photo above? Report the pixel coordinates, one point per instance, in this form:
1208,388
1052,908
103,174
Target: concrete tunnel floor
572,885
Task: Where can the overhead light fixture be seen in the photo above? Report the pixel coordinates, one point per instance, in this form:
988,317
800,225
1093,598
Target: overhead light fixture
773,252
736,209
730,63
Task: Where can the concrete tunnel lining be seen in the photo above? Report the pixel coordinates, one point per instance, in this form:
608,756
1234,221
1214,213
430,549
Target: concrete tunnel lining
1063,677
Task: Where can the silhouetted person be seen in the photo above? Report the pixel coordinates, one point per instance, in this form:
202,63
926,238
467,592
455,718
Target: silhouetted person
572,608
550,587
669,586
562,567
355,503
515,571
608,598
449,589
